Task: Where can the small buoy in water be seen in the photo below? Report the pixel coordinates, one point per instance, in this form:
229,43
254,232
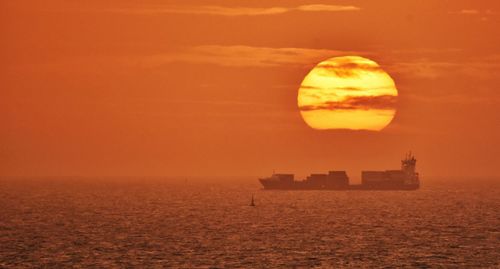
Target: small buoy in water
252,203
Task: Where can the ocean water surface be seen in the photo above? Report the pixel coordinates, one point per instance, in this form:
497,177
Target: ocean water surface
164,223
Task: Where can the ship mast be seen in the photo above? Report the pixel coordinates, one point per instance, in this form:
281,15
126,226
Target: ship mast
409,163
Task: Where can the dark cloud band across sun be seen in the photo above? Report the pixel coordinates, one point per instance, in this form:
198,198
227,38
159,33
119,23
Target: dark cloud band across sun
348,69
381,102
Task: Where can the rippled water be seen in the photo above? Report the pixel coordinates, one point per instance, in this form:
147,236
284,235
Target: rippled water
105,223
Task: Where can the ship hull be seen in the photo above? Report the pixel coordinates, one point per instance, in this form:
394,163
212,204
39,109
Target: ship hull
297,185
404,179
350,188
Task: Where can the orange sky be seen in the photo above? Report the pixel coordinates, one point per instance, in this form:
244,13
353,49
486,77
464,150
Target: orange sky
210,87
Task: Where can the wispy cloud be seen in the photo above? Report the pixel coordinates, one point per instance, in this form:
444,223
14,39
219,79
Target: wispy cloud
469,11
484,15
322,7
434,63
238,11
248,56
454,98
424,68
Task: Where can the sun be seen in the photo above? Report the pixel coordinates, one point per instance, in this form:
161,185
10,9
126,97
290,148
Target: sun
349,92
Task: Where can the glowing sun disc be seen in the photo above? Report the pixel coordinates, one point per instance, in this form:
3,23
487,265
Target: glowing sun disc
348,92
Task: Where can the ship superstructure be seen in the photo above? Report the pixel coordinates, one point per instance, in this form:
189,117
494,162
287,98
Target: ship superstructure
404,179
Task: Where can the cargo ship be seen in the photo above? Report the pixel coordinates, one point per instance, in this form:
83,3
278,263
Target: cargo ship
405,178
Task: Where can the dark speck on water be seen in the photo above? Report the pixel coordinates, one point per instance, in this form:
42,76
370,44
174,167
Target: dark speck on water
105,223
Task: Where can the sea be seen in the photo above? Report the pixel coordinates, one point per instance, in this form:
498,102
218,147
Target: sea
203,223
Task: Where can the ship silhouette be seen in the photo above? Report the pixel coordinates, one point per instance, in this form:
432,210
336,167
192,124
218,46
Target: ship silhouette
404,179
